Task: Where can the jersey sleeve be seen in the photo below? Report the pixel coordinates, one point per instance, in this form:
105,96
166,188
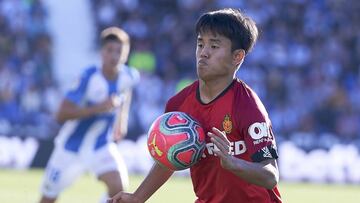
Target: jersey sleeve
77,91
169,106
260,141
174,103
255,125
135,76
129,78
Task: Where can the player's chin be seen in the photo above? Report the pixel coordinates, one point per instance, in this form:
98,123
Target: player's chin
114,63
202,73
205,76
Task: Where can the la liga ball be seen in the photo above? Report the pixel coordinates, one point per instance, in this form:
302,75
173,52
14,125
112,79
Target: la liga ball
176,140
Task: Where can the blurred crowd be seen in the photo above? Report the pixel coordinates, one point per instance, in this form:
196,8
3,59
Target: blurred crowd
305,66
27,85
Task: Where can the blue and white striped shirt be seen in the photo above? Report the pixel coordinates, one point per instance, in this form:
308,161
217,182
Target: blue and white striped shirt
92,88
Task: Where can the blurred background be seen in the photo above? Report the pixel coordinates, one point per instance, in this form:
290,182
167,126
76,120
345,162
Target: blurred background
305,68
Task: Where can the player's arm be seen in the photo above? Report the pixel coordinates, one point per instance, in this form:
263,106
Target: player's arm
264,173
157,176
69,110
71,107
122,116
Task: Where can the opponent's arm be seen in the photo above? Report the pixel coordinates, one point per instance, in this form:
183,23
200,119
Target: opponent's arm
69,110
157,176
122,117
264,173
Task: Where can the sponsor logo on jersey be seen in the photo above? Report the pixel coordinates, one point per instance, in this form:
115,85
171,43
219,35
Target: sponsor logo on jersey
227,124
258,130
266,152
236,148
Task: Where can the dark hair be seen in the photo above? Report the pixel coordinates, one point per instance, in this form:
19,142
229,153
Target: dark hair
109,38
231,23
119,35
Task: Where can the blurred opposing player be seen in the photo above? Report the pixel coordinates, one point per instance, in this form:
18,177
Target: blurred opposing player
239,163
95,114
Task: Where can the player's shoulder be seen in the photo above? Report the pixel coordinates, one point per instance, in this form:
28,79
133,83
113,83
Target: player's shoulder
89,70
87,73
185,91
245,96
130,72
176,100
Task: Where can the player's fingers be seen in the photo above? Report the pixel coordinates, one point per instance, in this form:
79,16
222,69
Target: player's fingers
116,100
220,134
220,154
215,137
219,143
115,198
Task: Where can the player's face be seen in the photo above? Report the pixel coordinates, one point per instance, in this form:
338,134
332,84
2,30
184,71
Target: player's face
214,58
110,53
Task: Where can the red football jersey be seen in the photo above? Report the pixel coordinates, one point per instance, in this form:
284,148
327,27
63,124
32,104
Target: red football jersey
239,112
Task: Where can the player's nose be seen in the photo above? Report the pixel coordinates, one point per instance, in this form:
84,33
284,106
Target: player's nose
204,53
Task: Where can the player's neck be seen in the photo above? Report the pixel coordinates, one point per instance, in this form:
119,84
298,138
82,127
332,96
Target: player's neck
110,73
209,90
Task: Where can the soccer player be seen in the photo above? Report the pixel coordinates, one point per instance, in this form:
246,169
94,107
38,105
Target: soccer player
239,162
95,114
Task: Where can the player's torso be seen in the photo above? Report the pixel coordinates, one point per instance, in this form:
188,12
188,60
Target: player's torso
219,113
208,176
92,133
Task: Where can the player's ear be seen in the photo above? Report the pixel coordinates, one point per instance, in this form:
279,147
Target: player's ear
238,56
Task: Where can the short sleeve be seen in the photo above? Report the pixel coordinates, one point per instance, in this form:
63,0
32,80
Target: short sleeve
78,89
260,141
174,103
255,126
135,76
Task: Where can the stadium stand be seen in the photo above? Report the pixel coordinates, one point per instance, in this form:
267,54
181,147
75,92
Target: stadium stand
27,85
305,67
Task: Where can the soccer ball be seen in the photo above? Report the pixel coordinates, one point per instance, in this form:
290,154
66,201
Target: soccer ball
176,141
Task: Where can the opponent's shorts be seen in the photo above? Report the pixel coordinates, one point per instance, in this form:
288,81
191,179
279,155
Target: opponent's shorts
64,167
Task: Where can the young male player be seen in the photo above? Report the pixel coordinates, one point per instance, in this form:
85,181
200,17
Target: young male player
239,163
95,114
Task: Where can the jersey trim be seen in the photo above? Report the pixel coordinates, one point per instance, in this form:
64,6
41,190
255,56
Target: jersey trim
217,97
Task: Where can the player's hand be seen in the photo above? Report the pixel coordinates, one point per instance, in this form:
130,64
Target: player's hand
123,197
110,104
117,100
222,149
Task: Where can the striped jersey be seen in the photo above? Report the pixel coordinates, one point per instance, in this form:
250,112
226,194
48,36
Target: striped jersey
90,89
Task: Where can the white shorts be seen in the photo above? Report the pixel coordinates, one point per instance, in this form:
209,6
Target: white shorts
64,167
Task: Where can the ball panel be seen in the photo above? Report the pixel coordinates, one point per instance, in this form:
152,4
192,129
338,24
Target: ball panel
176,141
185,157
176,120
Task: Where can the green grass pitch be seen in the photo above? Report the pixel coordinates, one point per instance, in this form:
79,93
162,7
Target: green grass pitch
23,187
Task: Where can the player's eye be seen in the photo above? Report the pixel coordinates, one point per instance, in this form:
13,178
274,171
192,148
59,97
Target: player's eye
200,45
214,46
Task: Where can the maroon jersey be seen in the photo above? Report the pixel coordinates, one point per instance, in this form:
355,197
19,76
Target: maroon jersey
239,112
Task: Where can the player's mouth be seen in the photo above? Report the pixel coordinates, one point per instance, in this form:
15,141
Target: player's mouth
202,62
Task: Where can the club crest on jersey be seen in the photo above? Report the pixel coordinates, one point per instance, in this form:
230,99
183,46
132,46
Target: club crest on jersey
227,124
